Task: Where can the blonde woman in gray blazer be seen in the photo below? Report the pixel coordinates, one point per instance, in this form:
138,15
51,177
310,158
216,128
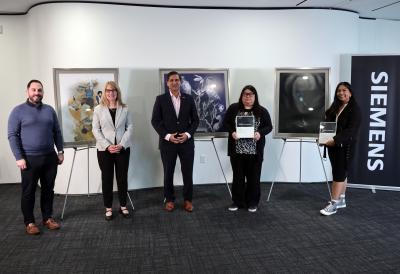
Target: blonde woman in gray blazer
112,128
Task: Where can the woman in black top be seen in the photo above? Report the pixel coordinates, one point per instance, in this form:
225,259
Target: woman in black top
246,154
346,113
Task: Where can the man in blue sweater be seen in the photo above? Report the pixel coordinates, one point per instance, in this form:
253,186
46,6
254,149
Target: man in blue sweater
33,130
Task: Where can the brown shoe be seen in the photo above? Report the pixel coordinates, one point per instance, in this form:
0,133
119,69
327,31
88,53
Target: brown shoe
169,206
32,229
51,224
188,206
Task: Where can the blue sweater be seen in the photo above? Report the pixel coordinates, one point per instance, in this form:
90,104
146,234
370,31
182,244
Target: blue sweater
33,130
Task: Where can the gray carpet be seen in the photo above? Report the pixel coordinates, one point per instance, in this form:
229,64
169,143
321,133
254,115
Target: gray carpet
286,235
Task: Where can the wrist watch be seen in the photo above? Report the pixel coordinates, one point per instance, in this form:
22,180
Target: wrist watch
61,152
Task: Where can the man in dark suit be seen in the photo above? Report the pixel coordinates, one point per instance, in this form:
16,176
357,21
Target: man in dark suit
175,119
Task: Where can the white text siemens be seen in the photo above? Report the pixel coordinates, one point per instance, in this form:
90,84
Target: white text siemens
377,121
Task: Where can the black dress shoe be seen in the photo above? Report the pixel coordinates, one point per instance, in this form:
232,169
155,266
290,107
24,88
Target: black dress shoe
124,213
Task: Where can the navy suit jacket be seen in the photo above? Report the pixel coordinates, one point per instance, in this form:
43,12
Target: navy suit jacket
164,119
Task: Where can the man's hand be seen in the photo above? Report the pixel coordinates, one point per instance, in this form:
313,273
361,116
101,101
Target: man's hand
174,139
182,138
60,158
257,136
21,164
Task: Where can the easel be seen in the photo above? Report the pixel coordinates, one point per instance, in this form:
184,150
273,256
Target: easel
219,161
301,143
70,175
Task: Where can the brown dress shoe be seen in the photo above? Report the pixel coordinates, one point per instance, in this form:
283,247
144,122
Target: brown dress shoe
188,206
51,224
32,229
169,206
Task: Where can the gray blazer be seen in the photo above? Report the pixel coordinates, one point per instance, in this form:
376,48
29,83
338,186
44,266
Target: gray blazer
104,130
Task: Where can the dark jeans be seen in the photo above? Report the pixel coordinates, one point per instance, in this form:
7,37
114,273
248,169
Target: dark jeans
246,179
107,162
43,167
185,153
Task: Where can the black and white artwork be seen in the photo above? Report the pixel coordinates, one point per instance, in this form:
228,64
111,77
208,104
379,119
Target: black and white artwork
301,97
209,89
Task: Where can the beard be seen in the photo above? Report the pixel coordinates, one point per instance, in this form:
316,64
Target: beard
36,99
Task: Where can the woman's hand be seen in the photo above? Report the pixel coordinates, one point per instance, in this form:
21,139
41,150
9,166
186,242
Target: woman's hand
114,148
257,136
330,143
234,136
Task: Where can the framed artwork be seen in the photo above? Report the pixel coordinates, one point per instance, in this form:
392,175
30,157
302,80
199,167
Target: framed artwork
301,97
77,92
210,90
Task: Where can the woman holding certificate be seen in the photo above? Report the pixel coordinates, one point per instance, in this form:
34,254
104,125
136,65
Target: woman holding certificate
112,128
347,115
247,123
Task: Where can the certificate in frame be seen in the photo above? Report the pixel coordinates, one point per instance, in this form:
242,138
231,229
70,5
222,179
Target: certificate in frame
245,126
327,130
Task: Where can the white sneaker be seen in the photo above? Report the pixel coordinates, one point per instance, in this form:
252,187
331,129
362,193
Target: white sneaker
330,209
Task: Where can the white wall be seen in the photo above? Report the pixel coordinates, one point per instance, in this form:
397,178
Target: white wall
379,37
14,48
140,40
376,37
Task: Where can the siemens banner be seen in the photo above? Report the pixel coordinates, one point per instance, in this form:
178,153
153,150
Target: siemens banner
376,86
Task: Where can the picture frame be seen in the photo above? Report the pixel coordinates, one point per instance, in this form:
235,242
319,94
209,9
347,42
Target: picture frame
301,98
77,92
210,91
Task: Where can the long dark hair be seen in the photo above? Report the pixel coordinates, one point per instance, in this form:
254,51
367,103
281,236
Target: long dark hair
256,106
334,108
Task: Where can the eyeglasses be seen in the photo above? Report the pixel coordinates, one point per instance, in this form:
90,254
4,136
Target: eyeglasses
248,94
110,90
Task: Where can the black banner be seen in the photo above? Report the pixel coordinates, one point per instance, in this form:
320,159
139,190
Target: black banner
376,86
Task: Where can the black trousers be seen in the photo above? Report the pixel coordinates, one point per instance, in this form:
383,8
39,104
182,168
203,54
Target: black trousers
246,179
185,152
107,162
43,168
340,158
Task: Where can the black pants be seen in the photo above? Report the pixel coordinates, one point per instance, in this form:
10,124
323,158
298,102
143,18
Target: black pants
246,179
340,158
43,167
107,162
185,152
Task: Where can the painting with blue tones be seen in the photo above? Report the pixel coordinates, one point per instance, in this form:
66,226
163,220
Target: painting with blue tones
209,89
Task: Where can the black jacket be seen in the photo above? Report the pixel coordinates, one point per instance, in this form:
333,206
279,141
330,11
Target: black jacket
230,126
347,125
164,118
